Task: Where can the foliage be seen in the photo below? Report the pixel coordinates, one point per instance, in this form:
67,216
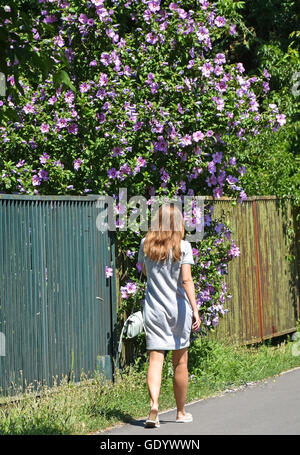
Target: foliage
272,42
143,96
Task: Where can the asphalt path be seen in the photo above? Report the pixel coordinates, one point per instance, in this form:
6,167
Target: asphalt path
268,407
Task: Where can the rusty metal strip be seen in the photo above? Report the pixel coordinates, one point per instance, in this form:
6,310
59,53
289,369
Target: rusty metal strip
261,327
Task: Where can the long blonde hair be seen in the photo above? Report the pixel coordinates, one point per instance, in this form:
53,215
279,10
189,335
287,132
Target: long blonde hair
166,232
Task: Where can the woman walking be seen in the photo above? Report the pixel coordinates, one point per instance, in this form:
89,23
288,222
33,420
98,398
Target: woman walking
170,311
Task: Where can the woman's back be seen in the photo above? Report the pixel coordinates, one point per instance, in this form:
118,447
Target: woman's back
167,310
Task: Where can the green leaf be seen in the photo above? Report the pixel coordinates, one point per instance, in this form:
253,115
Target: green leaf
12,115
62,77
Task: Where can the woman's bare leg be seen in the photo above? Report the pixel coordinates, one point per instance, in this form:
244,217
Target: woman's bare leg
156,361
180,380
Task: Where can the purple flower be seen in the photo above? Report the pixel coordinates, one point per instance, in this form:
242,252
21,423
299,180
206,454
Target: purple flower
217,192
217,157
219,103
44,158
266,87
125,169
141,161
243,196
117,151
62,123
234,250
206,69
52,100
20,163
101,117
151,38
59,163
182,186
215,321
240,67
113,173
281,119
232,29
231,180
131,287
186,140
73,128
124,293
211,167
108,271
198,136
44,128
164,175
202,33
77,163
84,87
105,58
28,109
220,21
50,19
36,180
58,40
180,110
154,5
173,6
43,174
83,19
221,86
242,170
69,97
220,58
103,79
130,253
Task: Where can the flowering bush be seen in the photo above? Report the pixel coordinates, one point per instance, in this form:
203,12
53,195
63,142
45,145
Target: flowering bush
142,95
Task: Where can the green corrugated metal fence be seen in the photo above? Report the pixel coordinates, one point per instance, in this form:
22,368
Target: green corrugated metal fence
57,308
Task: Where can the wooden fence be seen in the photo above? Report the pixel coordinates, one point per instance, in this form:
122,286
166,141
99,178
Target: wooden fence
263,282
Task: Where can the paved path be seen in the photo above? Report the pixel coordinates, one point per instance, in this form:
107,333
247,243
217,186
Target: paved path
269,407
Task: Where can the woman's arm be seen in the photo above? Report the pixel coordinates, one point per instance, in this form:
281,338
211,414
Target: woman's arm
189,287
188,284
144,270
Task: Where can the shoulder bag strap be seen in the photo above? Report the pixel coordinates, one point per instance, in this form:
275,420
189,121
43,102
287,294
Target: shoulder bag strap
134,302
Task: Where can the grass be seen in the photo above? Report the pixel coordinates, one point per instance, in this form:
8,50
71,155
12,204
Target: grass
95,404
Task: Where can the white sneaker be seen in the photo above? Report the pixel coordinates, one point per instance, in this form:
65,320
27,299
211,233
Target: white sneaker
186,418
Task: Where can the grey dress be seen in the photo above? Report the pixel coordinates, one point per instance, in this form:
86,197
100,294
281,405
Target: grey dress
167,310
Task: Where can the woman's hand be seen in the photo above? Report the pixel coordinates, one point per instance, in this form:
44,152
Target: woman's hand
196,321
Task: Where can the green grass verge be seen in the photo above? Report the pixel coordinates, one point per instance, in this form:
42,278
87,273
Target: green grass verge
95,404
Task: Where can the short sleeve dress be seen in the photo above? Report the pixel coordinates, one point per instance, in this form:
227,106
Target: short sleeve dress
167,310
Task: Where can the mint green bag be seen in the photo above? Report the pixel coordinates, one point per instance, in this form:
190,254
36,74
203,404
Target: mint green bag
133,325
